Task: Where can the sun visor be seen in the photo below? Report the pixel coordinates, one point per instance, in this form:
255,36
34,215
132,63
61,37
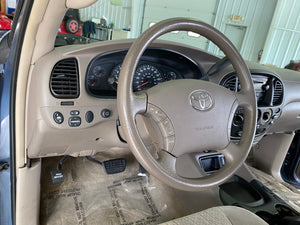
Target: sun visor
78,4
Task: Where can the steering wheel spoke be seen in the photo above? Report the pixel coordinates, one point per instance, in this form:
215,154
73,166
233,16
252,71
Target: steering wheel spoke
154,150
231,152
164,125
138,103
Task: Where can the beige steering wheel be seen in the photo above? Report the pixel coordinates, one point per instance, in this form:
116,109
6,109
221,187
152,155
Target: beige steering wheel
193,116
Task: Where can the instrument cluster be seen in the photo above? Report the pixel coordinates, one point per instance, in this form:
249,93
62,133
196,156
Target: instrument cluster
156,66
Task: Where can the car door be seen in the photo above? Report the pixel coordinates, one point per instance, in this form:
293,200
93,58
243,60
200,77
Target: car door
10,48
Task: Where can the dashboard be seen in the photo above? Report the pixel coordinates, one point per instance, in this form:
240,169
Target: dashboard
72,106
160,65
156,66
269,93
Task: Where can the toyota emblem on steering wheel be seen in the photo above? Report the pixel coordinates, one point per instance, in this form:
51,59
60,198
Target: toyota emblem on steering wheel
201,100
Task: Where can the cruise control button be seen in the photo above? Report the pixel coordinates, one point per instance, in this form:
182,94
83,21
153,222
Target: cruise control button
74,121
166,128
58,117
157,114
89,116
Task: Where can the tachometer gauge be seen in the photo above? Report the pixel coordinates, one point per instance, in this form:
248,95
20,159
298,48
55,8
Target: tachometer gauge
146,76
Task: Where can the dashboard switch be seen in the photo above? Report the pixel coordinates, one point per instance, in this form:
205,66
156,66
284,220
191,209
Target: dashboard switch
74,113
105,113
89,116
74,121
156,114
58,117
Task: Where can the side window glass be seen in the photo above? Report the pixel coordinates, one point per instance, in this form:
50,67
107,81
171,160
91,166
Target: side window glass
70,30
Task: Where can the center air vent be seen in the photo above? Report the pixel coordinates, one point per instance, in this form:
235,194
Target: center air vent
64,81
278,93
268,88
232,84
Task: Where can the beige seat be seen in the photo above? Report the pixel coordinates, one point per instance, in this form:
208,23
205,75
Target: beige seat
223,215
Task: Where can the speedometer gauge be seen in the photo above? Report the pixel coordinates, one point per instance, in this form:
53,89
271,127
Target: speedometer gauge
146,76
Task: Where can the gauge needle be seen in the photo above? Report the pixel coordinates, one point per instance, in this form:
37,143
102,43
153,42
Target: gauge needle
141,85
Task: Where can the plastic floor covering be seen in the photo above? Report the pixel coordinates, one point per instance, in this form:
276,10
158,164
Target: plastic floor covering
285,191
89,196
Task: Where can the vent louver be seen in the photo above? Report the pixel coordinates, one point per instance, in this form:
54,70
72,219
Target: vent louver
278,93
232,84
64,81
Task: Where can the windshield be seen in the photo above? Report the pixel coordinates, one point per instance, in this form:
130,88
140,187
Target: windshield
261,29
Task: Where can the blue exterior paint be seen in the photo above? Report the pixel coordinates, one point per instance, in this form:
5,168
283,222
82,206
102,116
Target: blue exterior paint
5,182
5,139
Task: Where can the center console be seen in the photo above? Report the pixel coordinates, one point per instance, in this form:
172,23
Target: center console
257,198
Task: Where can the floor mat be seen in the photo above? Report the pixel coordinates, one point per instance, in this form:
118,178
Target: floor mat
89,196
285,191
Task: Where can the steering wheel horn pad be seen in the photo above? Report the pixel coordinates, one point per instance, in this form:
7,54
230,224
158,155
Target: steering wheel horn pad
195,129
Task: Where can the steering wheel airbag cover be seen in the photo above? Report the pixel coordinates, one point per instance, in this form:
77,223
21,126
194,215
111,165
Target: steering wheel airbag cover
196,129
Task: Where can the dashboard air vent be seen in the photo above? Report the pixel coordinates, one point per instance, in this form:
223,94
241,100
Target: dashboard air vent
232,84
64,81
278,92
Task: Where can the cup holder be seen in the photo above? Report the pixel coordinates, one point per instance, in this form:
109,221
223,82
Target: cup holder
239,192
257,198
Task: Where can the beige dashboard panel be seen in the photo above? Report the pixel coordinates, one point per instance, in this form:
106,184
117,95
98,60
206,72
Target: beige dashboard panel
48,141
44,136
47,138
270,153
